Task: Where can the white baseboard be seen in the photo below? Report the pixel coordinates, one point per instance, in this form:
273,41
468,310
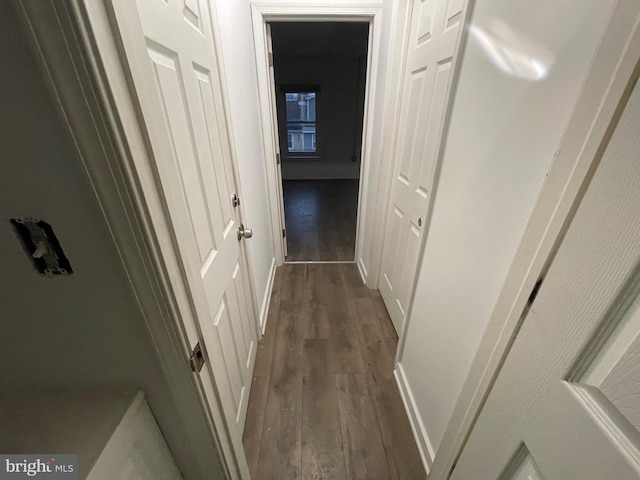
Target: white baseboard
266,299
419,432
362,269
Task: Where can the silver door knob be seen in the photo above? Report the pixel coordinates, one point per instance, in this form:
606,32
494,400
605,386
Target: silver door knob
244,232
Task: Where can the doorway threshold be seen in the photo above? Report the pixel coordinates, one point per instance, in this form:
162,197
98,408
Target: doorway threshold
294,262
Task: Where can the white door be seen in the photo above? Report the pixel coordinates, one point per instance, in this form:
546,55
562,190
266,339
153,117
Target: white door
566,404
174,68
276,137
432,44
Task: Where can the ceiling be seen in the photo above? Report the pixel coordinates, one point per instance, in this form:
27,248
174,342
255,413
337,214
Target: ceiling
320,39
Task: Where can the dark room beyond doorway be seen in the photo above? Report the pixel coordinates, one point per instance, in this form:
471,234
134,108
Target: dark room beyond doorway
320,74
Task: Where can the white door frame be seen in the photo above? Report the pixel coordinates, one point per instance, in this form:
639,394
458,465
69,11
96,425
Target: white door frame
80,53
298,11
398,49
607,86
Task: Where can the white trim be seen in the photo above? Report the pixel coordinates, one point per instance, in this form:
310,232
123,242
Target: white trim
261,13
602,98
65,39
400,29
373,52
303,262
325,11
417,427
266,300
268,133
362,270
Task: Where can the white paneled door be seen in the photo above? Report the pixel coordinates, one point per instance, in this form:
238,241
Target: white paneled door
175,72
566,404
433,38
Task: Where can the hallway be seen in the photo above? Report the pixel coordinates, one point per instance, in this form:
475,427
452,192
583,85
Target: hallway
324,402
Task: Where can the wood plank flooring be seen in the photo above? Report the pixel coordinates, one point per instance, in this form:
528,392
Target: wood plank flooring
324,403
320,218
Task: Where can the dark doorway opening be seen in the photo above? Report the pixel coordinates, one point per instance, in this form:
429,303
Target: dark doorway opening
320,75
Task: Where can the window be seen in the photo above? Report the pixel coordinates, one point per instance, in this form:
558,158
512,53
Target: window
301,122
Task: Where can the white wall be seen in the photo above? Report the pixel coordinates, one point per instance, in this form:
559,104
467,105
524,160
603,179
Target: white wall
521,74
340,104
85,331
237,48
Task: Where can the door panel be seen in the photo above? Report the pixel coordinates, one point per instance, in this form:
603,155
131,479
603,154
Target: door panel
226,335
182,105
433,37
617,372
424,170
568,392
175,113
452,17
522,467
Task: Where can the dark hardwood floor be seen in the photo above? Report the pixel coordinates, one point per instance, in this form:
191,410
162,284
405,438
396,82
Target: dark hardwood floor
324,403
320,217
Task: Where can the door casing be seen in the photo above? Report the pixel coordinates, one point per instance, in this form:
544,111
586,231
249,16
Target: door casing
261,13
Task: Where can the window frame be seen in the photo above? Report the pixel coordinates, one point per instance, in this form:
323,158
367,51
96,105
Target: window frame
301,88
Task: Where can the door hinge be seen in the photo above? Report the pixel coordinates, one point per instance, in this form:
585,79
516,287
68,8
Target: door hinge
271,59
235,200
284,232
278,158
197,358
